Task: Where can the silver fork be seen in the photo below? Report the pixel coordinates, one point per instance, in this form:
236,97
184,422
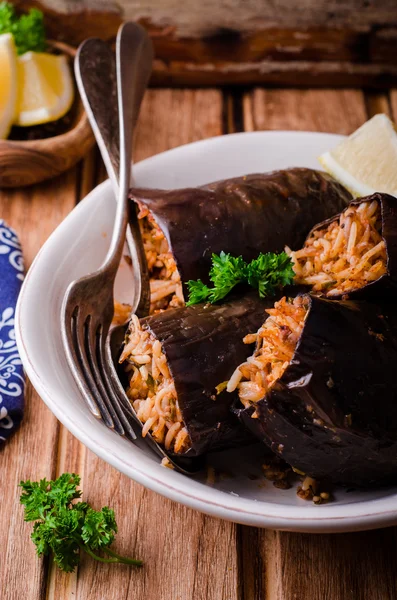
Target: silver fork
88,306
96,79
95,70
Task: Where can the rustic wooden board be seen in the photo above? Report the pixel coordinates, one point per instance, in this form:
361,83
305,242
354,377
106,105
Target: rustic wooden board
290,566
34,213
170,118
337,74
75,21
286,566
311,110
202,20
31,161
282,42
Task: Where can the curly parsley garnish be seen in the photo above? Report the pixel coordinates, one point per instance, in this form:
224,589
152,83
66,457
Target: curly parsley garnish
267,273
64,528
28,29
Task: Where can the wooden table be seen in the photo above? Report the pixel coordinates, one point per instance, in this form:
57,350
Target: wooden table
188,556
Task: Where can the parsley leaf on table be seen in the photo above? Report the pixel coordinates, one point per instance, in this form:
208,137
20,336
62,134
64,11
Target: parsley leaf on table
64,528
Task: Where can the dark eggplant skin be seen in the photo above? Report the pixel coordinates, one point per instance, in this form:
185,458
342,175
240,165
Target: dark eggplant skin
333,413
243,216
386,286
203,343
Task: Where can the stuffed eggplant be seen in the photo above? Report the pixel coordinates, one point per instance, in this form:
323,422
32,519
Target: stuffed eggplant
247,215
321,388
354,253
175,361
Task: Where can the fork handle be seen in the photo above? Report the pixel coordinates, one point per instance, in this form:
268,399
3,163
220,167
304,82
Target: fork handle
95,71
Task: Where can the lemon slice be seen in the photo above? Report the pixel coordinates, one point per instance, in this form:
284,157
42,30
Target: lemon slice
8,83
366,161
45,88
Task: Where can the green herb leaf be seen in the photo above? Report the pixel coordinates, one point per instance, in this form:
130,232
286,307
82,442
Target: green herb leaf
63,528
270,271
7,17
28,29
267,273
226,272
99,528
198,292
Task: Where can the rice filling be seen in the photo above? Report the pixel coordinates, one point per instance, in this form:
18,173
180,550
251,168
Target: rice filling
346,255
151,389
165,281
275,341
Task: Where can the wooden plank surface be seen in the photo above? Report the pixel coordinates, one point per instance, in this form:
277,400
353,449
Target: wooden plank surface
311,110
256,42
290,566
34,213
188,556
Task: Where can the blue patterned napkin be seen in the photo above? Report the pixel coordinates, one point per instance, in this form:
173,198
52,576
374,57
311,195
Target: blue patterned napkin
12,380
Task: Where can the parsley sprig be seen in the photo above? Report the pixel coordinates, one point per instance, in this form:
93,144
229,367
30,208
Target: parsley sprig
267,273
65,528
28,29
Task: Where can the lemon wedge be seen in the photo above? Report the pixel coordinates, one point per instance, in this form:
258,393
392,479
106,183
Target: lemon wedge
45,88
8,83
366,161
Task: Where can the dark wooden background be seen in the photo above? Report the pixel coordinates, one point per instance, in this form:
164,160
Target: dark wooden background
244,42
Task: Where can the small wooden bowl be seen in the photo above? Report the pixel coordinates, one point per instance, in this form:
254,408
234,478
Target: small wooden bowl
28,162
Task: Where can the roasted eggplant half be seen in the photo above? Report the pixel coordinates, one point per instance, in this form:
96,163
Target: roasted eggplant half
176,364
353,254
244,216
321,388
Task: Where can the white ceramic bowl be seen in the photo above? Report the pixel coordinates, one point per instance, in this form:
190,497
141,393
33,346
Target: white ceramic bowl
77,247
